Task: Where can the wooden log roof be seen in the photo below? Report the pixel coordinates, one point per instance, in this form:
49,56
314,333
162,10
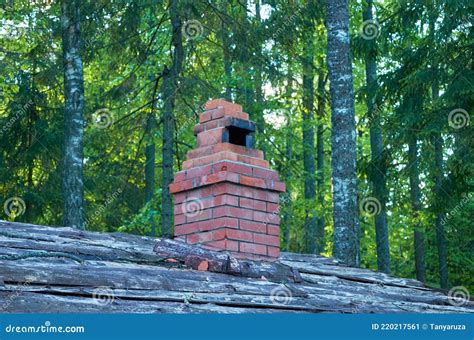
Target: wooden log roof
54,270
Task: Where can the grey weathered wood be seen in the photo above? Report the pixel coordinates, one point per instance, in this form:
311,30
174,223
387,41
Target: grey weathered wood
222,262
44,269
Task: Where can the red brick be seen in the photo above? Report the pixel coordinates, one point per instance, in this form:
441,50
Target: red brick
202,192
219,234
199,237
188,228
240,213
213,178
217,223
205,160
241,191
253,248
226,188
252,204
280,186
266,217
226,200
273,251
179,219
237,192
219,212
242,150
273,207
232,222
265,173
193,204
215,245
201,216
253,161
188,164
179,176
225,121
221,156
197,172
239,168
267,239
260,194
228,107
179,197
272,197
253,226
181,186
212,149
239,235
204,117
230,211
253,181
231,245
210,137
273,229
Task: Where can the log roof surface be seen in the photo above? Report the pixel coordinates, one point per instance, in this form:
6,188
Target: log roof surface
48,269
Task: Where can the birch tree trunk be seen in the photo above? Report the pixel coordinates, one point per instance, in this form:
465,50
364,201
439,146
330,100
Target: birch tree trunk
169,90
343,139
378,168
73,177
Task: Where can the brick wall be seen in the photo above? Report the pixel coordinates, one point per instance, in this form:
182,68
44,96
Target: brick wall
226,197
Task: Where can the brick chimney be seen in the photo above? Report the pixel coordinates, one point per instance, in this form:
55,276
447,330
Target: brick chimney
226,197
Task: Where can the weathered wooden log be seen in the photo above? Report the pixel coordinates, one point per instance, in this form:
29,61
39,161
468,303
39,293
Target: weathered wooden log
223,262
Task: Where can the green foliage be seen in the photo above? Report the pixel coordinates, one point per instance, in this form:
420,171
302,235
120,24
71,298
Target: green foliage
126,48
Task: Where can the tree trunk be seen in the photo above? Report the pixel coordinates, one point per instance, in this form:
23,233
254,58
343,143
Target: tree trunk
73,177
169,89
150,164
244,93
378,168
311,218
438,192
343,140
440,238
257,107
286,220
415,194
320,237
226,43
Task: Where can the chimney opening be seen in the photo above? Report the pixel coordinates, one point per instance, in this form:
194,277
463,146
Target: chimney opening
237,136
